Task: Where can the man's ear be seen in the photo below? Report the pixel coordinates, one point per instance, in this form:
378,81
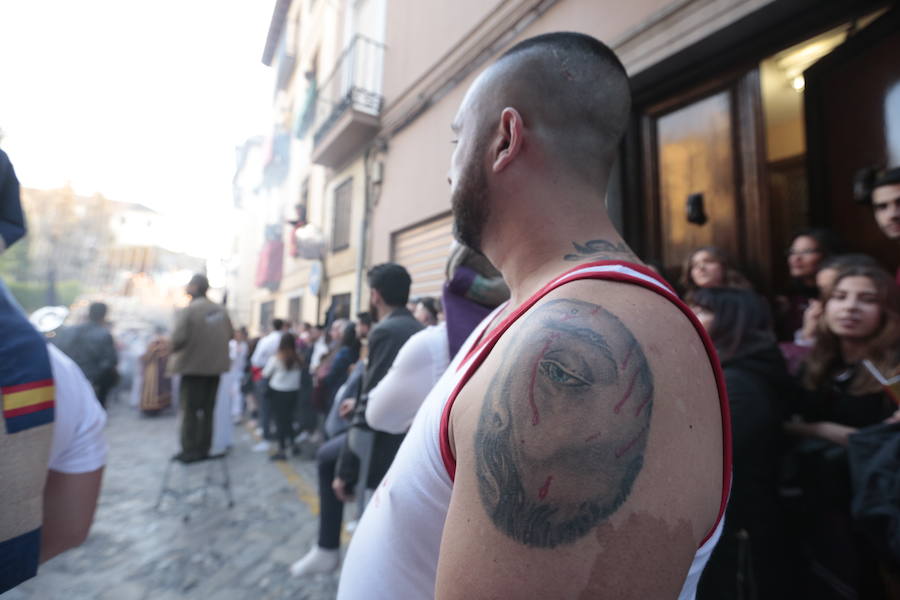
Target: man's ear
374,296
509,139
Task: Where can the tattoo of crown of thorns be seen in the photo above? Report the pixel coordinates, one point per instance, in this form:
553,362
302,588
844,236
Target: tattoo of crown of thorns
597,249
564,424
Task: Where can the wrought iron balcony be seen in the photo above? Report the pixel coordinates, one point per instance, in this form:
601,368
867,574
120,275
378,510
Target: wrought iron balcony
349,103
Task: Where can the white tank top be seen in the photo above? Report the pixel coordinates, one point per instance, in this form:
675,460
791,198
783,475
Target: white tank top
394,550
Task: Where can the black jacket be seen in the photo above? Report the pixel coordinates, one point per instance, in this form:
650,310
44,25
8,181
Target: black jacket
385,341
758,389
92,348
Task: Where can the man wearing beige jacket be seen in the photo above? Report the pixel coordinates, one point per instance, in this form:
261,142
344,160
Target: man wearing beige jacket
200,343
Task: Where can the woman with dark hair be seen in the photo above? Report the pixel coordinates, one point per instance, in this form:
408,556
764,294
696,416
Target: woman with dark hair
709,267
283,370
861,322
808,251
346,356
748,556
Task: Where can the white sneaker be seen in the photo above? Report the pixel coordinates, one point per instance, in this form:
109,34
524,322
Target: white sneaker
317,560
304,435
262,446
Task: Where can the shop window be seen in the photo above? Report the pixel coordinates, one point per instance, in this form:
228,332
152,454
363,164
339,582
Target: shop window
266,314
295,309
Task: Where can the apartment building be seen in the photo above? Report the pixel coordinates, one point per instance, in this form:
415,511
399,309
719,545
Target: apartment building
758,112
314,189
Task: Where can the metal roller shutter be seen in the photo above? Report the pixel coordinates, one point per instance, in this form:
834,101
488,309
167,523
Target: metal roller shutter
423,249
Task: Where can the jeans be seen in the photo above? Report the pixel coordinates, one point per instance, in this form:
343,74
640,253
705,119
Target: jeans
282,407
263,408
331,510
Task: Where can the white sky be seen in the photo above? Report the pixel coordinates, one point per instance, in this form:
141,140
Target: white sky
140,101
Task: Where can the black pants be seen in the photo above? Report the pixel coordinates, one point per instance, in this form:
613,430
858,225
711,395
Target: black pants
331,510
198,399
262,407
282,406
305,415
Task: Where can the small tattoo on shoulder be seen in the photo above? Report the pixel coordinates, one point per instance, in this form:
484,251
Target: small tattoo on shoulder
599,249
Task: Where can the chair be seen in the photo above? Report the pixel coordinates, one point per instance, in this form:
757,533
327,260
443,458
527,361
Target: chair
184,492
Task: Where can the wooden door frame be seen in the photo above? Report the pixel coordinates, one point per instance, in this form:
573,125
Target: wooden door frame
752,204
816,163
740,46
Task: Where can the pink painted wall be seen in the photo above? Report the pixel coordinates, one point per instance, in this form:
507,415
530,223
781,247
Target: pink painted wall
415,177
420,32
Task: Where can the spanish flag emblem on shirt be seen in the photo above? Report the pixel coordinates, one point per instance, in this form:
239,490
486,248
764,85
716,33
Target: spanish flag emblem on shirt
28,405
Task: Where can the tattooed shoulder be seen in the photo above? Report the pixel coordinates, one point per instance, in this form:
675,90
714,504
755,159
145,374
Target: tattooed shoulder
563,425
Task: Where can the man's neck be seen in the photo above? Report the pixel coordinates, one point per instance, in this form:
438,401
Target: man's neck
546,237
384,311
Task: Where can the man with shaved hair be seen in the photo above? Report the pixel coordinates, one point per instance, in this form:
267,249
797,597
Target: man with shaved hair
577,446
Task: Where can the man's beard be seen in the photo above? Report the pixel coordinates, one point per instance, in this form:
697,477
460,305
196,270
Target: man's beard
470,202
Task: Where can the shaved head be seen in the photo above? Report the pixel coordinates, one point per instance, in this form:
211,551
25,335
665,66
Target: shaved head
572,91
573,98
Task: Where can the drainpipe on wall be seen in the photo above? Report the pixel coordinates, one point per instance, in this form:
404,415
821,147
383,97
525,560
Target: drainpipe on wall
363,233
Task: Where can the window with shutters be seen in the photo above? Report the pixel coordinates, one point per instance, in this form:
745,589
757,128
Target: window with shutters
295,308
266,314
340,217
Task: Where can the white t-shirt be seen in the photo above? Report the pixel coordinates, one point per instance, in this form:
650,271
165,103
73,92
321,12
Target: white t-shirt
281,379
395,548
420,363
266,349
78,443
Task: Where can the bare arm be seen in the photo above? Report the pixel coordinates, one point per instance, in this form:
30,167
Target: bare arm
554,494
488,291
393,403
69,503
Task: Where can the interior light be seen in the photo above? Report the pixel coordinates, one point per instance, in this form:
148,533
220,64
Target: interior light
798,83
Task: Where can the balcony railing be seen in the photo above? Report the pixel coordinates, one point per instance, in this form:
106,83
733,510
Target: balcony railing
349,99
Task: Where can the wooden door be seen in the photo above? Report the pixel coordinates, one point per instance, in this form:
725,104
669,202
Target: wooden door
852,122
706,144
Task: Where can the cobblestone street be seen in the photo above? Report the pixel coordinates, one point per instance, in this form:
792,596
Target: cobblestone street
188,549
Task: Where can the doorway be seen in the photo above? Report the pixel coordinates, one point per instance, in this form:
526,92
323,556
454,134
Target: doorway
702,151
743,160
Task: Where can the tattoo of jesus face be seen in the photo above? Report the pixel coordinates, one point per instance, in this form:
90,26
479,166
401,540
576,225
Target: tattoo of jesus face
563,425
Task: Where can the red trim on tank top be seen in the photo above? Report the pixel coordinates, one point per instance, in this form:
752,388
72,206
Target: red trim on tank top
511,318
481,349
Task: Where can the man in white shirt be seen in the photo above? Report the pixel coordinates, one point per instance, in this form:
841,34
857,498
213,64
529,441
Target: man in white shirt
265,349
268,345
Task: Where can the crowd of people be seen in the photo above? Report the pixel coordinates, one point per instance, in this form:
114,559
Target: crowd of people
351,388
512,457
809,379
